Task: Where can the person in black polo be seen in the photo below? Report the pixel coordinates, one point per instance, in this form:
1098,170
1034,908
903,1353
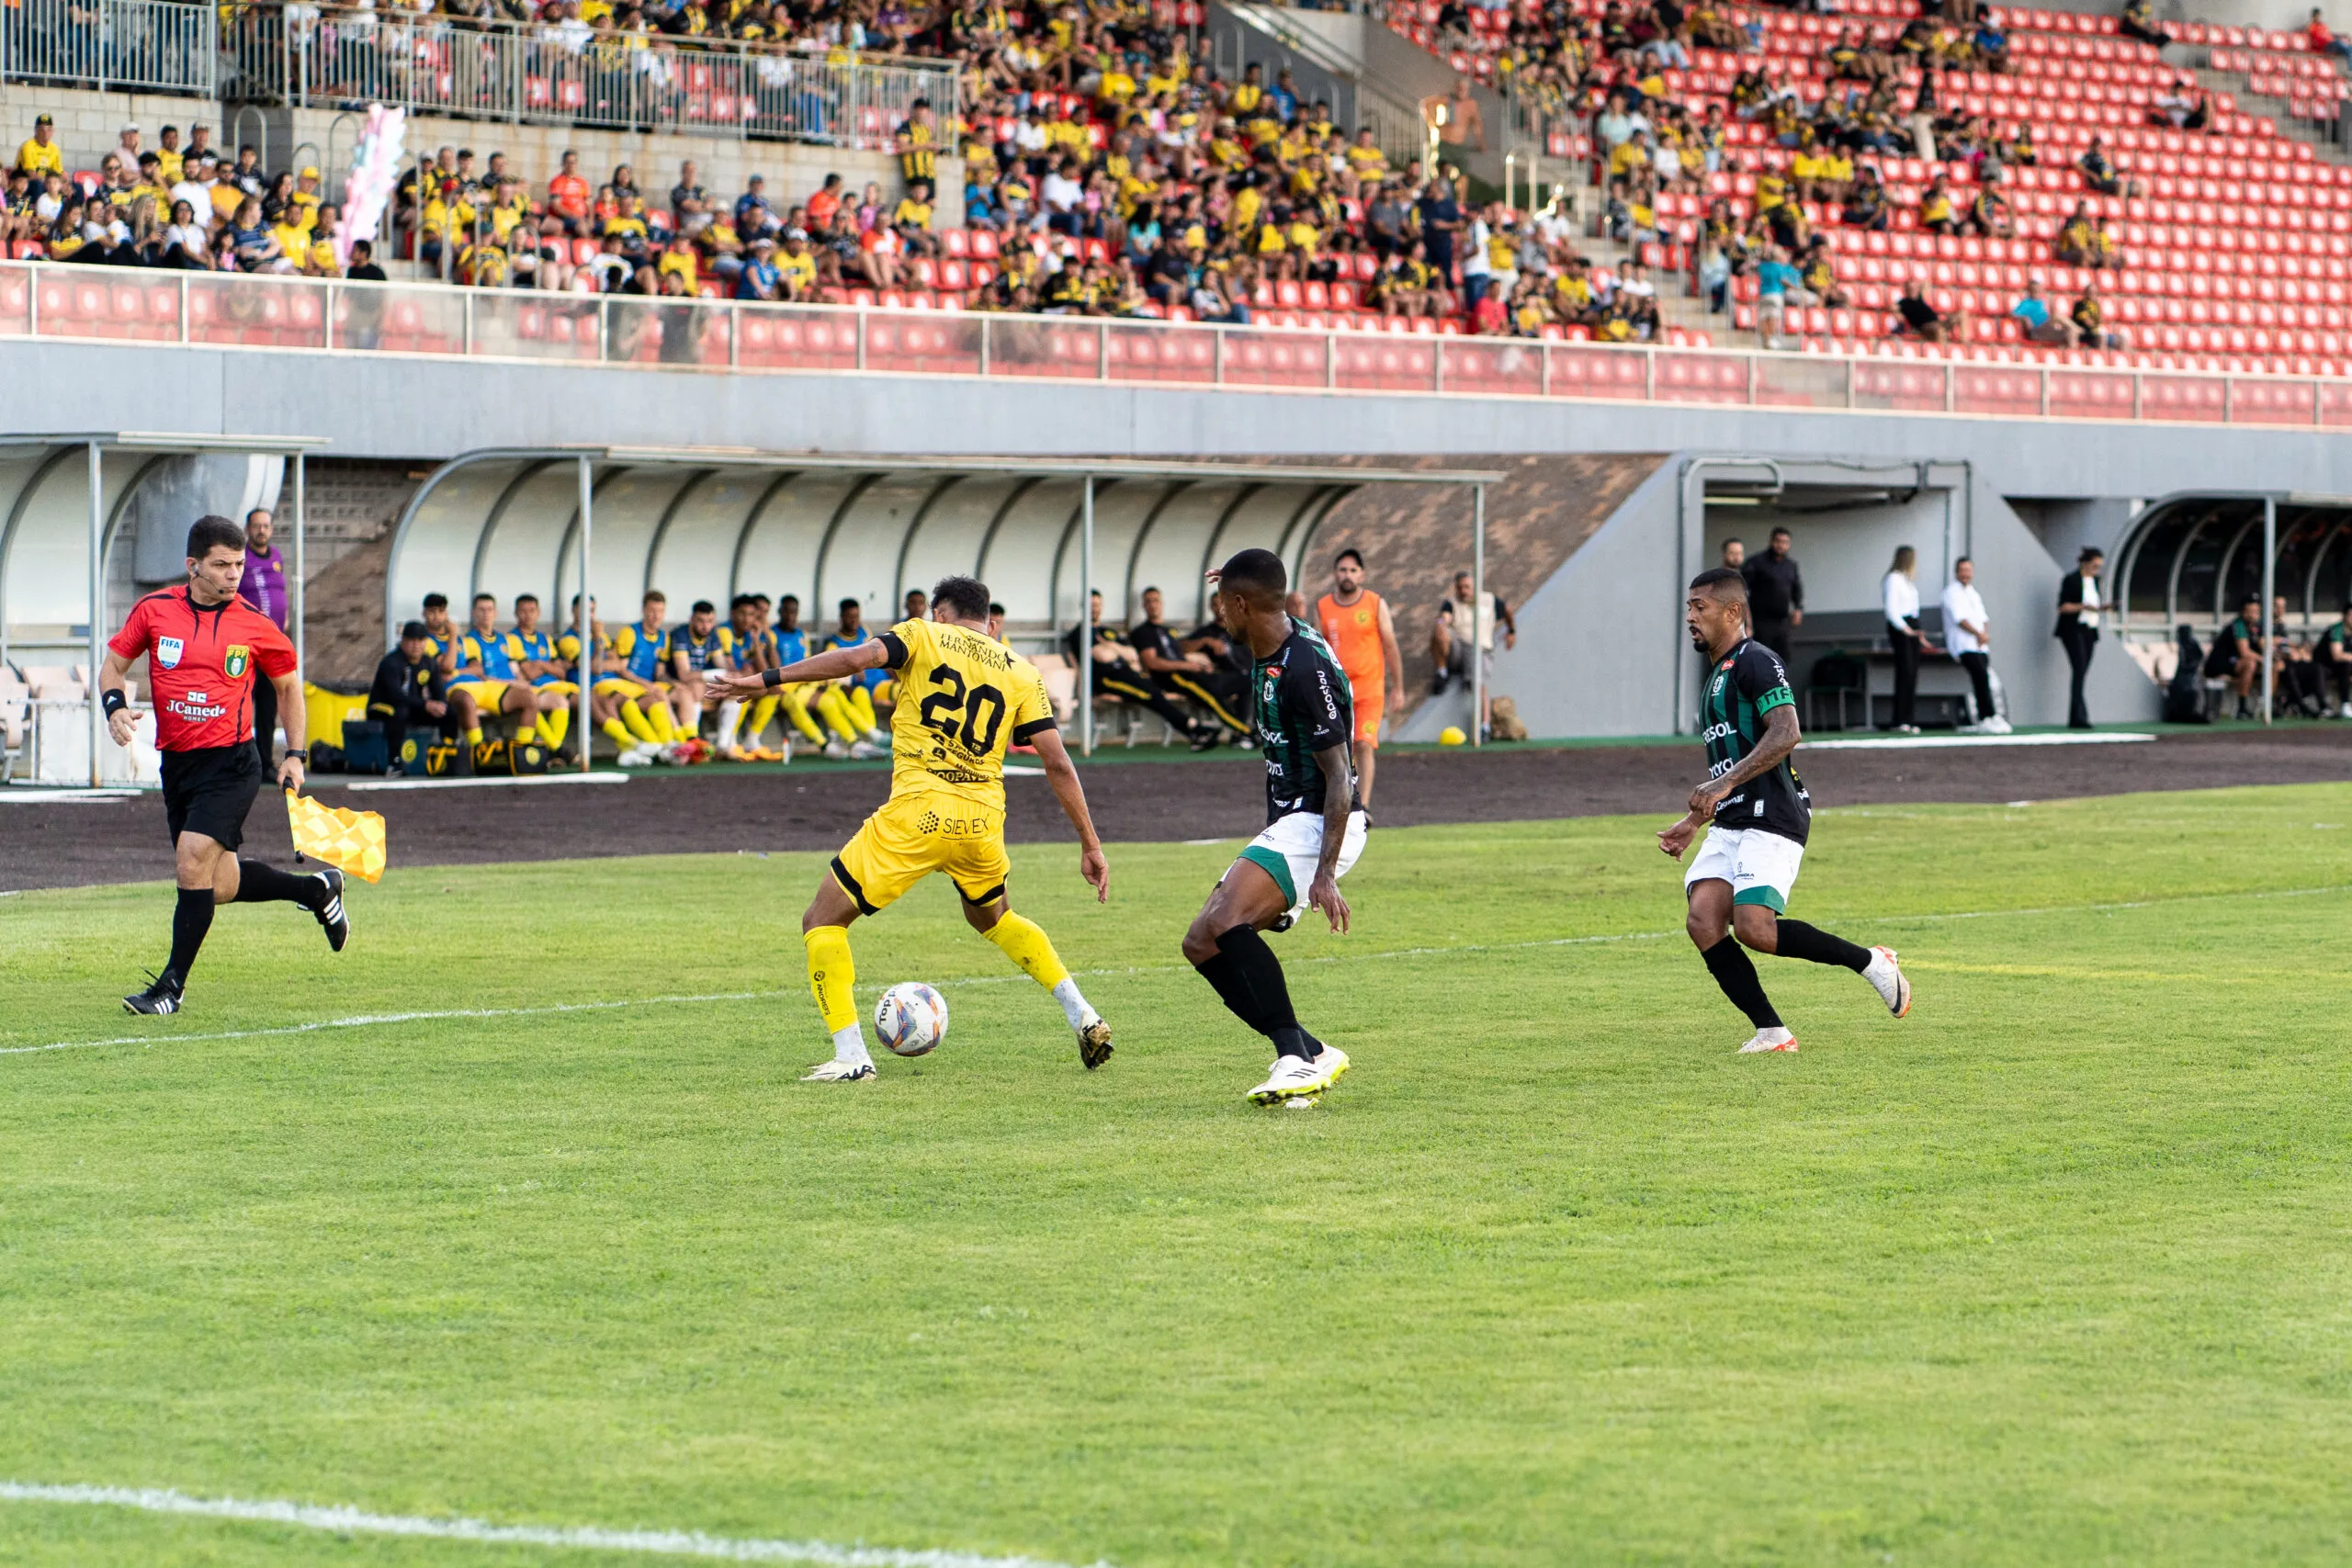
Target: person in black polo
1775,594
2236,656
1180,673
407,691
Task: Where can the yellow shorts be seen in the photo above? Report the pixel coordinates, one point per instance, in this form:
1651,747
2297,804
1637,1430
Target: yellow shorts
617,686
912,836
562,688
487,694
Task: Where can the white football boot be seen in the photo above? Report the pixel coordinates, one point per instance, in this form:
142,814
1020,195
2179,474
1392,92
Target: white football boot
1292,1076
1885,975
838,1072
1774,1039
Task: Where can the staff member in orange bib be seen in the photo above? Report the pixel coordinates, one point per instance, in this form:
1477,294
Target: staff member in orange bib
203,644
1354,621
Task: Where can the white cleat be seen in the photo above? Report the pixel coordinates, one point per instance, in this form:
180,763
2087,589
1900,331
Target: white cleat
838,1072
1885,975
866,751
1769,1040
836,751
636,757
1292,1076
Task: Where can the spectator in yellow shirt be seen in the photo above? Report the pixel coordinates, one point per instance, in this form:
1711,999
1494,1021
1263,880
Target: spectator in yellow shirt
678,259
42,155
170,165
796,268
306,195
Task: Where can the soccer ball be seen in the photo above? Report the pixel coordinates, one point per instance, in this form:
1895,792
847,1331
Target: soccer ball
911,1018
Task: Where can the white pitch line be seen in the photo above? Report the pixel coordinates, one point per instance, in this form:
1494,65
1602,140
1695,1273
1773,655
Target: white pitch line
366,1020
1933,742
589,1537
486,783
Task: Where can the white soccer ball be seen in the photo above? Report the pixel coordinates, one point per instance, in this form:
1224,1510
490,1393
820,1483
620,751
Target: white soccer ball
911,1018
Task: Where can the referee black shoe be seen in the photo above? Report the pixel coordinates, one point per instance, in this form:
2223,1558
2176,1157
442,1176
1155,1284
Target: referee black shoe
162,995
330,911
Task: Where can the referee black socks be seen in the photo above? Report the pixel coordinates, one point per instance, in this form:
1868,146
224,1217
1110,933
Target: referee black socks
191,918
1250,977
1735,973
1814,946
261,883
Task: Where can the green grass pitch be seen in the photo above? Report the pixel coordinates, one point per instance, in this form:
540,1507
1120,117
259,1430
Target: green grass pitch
2054,1271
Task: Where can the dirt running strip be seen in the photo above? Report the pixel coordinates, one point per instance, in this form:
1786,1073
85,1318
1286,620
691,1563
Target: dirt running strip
817,805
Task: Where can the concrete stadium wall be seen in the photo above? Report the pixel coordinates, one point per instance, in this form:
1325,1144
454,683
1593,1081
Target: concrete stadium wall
2075,482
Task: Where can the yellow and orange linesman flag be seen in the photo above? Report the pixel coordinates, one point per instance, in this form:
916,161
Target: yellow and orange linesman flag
352,841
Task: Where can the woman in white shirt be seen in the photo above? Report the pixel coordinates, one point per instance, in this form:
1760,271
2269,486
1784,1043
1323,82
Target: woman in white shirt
1968,632
1899,595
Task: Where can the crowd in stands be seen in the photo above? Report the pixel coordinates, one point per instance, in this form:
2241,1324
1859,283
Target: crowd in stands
1963,175
451,681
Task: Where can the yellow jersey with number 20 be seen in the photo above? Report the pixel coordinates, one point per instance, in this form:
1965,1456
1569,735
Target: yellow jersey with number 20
963,698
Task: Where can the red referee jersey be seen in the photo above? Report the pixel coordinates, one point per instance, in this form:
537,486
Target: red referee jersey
201,666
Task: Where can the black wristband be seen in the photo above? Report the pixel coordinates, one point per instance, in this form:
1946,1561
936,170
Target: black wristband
771,678
113,702
298,754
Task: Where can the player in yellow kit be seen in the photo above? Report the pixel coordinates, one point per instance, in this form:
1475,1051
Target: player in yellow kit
964,698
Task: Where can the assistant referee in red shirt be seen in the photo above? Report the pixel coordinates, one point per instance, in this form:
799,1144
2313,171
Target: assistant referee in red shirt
204,646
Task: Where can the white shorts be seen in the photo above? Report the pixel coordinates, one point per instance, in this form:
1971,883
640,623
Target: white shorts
1292,848
1761,867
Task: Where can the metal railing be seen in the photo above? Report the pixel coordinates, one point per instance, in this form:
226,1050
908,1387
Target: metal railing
63,302
307,56
148,46
567,75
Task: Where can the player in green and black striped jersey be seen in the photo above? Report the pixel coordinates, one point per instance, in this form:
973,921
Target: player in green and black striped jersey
1758,816
1314,825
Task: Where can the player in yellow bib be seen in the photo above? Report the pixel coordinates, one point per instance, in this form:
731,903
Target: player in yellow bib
963,697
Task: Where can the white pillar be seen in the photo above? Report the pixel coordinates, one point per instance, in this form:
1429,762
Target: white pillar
98,605
583,672
1085,621
2270,568
294,594
1477,608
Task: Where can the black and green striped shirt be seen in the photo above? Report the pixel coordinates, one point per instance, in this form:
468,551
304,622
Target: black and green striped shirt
1742,687
1304,707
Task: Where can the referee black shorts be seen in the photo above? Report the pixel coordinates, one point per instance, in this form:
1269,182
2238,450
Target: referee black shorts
210,790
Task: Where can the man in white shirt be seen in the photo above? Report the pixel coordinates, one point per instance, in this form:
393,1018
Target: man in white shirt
1968,633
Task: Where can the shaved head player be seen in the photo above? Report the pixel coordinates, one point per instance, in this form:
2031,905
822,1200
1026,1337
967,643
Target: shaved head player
1314,825
206,650
1756,815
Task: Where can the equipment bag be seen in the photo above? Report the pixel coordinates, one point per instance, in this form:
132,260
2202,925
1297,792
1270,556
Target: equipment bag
528,758
364,748
448,759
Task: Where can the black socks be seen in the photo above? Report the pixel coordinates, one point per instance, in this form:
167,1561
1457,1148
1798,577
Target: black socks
1248,976
191,918
260,883
1798,939
1735,973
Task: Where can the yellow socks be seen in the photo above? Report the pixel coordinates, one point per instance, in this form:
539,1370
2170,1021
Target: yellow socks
861,706
526,734
638,723
757,725
1026,943
556,723
835,709
796,708
832,980
620,733
473,736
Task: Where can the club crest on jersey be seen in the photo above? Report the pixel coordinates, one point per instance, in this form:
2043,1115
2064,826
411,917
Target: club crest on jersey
168,650
235,659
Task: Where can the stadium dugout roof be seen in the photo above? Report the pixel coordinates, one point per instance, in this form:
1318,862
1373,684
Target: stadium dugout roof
62,498
710,522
